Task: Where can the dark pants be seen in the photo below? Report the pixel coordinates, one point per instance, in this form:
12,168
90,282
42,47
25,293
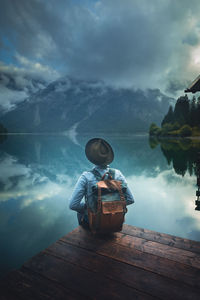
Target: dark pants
83,221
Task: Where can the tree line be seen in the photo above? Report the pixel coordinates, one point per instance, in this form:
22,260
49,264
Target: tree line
3,130
3,133
182,120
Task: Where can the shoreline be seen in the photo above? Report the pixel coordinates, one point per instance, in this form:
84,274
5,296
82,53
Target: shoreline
175,137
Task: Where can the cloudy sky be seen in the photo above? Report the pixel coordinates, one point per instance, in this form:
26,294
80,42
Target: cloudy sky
135,43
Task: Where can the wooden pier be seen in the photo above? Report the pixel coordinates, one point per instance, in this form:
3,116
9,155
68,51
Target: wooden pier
133,264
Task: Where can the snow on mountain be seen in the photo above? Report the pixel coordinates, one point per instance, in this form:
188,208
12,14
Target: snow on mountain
14,88
88,106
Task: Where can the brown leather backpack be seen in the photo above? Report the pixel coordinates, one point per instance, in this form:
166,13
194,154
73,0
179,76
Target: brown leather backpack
110,205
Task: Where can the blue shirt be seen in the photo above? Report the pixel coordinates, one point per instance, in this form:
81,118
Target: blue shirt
83,189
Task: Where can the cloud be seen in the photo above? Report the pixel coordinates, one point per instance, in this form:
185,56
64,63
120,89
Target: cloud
175,211
10,168
17,84
191,39
129,43
9,98
23,183
36,69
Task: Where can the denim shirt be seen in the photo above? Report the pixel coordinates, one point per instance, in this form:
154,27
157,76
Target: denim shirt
83,189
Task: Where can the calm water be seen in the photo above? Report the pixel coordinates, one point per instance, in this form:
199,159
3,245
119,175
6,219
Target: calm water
37,174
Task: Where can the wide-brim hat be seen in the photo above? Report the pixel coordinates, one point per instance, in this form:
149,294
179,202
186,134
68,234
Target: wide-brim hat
99,152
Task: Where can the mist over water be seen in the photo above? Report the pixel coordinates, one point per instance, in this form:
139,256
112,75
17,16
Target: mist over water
38,173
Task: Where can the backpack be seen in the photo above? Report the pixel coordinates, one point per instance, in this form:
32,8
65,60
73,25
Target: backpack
109,204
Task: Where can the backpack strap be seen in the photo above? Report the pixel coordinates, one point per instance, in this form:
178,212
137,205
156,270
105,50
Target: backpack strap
96,174
112,173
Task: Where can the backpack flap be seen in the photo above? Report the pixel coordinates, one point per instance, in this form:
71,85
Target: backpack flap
113,207
109,204
109,186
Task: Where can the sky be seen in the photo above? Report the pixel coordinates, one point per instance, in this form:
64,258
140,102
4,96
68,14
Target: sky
126,43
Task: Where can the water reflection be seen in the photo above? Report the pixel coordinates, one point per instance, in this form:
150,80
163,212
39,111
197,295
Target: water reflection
3,137
37,174
184,156
197,202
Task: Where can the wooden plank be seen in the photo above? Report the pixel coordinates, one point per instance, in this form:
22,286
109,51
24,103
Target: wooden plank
162,238
153,284
179,255
90,284
7,294
132,264
25,285
108,247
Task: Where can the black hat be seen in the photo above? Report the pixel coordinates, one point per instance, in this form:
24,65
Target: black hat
99,152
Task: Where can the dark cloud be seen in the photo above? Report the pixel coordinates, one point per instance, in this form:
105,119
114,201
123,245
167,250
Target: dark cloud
176,85
17,84
191,39
141,43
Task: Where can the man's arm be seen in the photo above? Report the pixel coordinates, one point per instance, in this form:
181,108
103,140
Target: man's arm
77,195
129,196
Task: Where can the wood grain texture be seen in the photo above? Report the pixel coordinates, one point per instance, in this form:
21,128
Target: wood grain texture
176,254
162,238
25,284
108,247
91,284
133,264
134,277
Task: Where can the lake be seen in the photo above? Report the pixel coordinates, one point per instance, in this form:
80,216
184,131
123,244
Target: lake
38,172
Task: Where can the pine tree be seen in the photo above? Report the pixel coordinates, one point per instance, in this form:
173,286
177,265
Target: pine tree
193,112
2,129
181,110
169,117
197,118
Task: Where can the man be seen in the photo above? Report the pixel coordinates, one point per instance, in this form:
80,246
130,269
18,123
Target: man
100,153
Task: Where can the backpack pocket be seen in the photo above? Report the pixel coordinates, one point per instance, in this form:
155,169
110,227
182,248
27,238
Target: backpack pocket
112,207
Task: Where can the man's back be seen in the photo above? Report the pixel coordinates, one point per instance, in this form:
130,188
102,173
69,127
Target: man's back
83,189
100,153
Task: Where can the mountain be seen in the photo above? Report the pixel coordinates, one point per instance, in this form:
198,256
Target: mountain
16,87
87,106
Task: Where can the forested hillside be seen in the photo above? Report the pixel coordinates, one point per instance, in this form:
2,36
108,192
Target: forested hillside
183,120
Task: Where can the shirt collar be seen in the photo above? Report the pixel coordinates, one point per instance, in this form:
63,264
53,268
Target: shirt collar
101,167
